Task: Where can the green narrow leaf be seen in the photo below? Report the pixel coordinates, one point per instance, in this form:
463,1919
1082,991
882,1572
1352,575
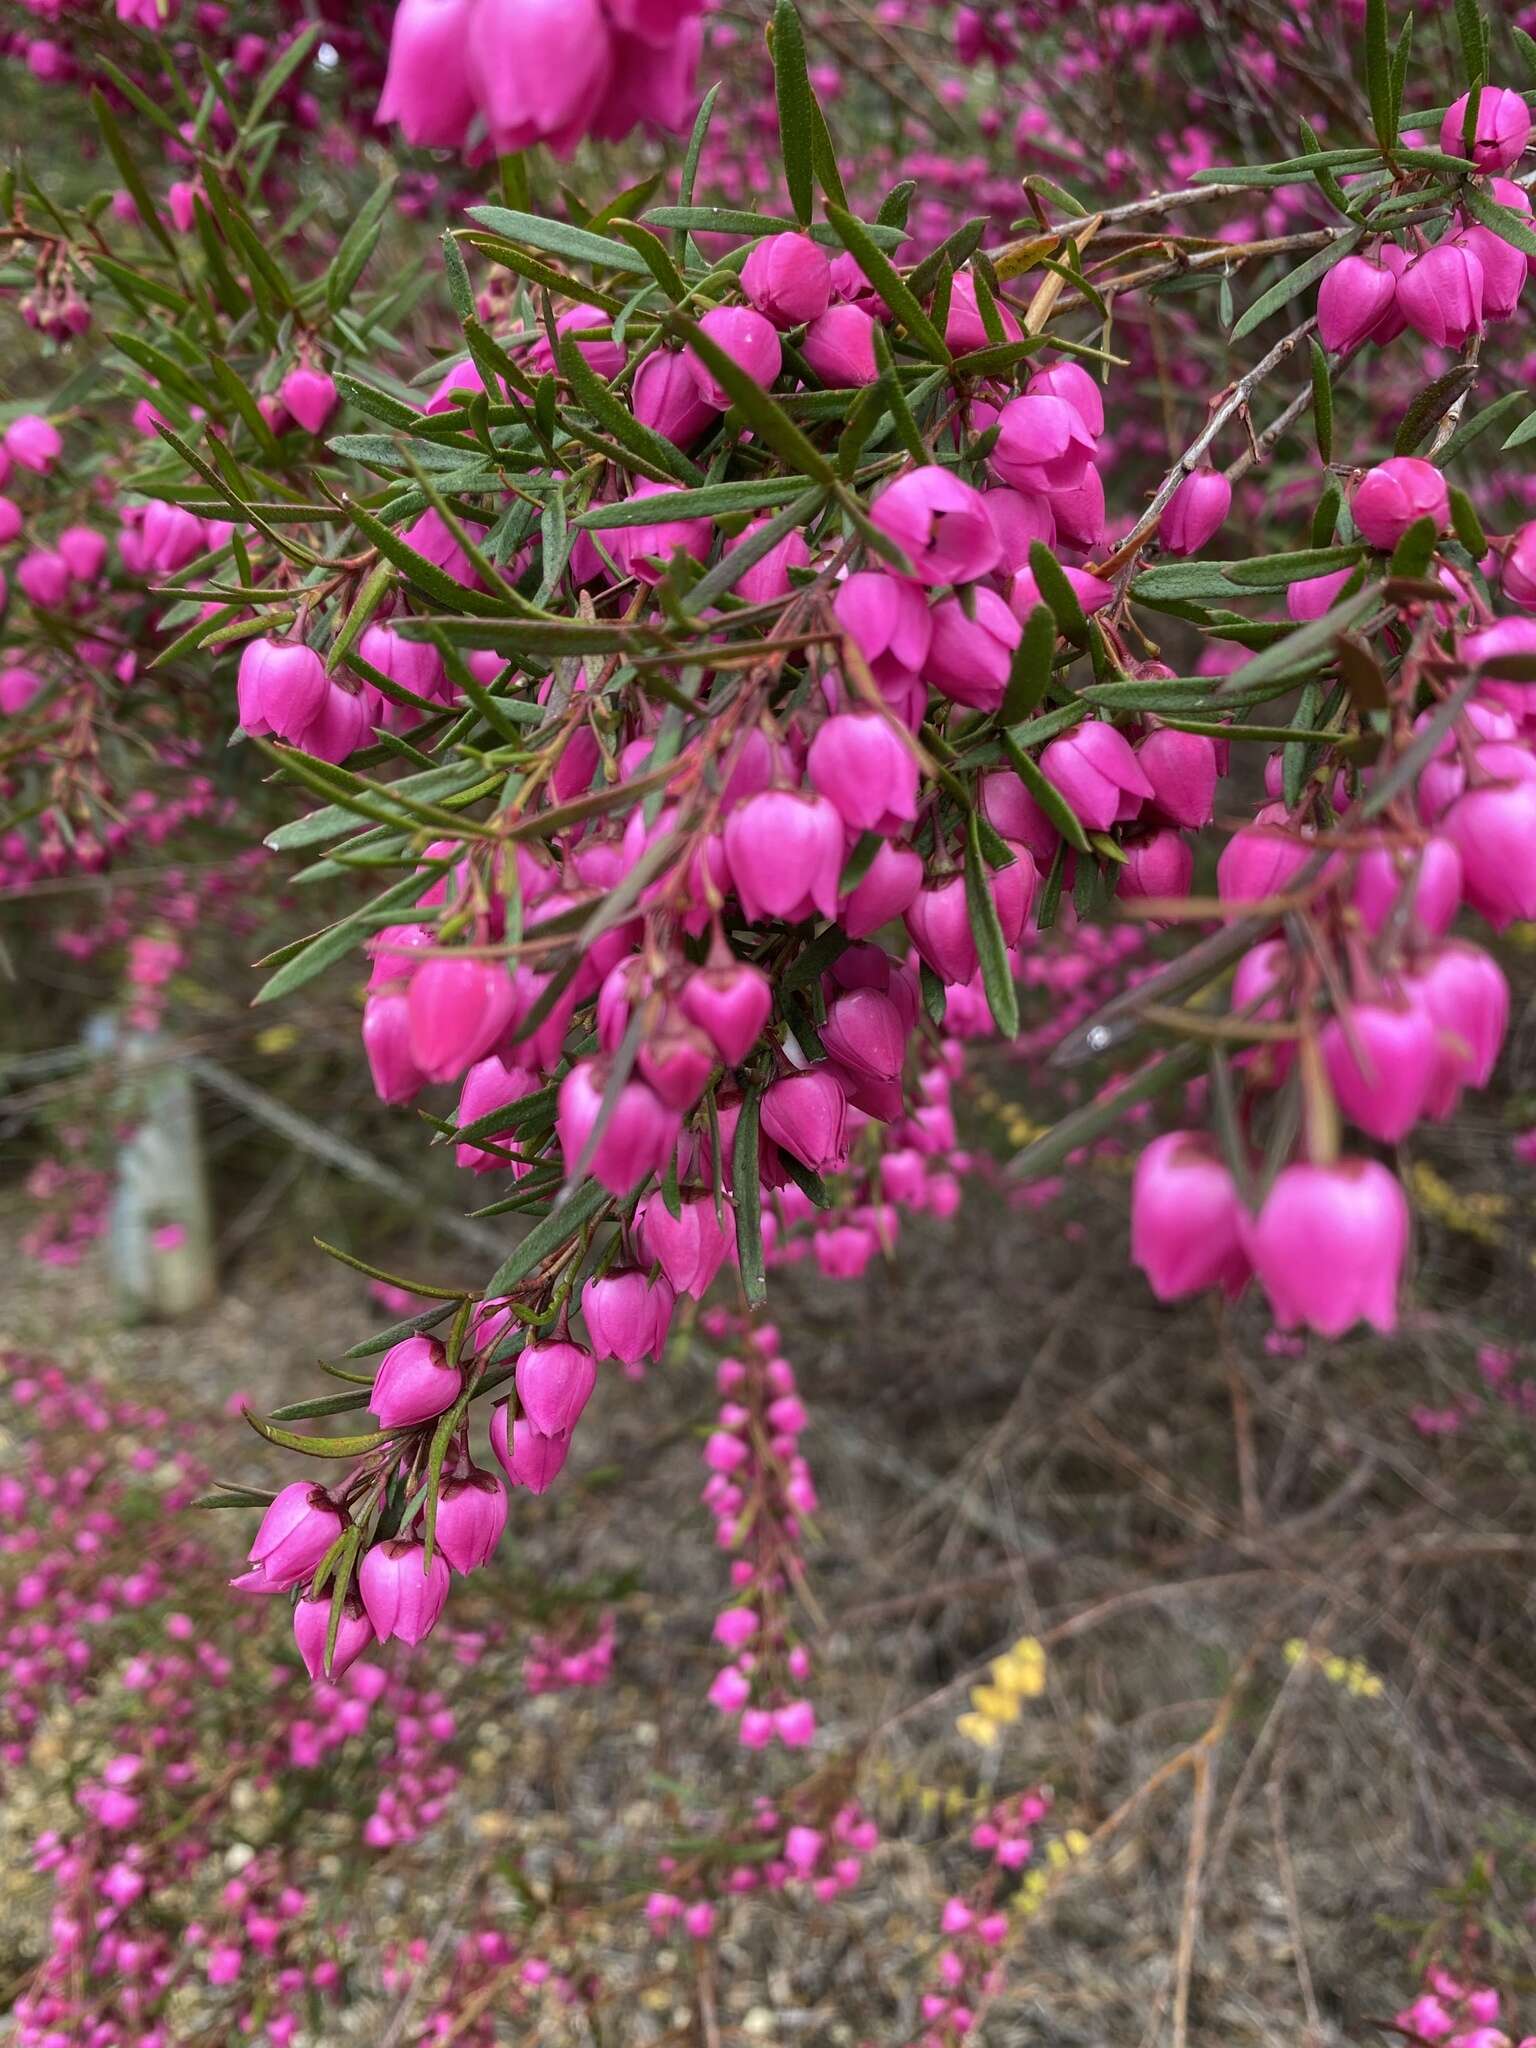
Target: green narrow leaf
1322,402
1378,74
1431,406
357,246
1466,525
1046,795
760,411
1401,53
746,1195
317,1446
987,931
895,399
935,996
1504,221
617,419
1416,550
1051,581
1302,652
547,1235
1029,674
889,283
1084,1125
695,147
558,238
824,156
796,105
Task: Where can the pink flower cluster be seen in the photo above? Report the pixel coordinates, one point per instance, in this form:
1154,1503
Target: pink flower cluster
774,1852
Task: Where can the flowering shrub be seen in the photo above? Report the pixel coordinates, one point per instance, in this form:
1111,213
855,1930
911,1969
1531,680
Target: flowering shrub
715,646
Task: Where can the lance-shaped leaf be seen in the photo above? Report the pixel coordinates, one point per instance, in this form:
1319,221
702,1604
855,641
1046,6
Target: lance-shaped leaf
987,931
889,283
796,107
746,1197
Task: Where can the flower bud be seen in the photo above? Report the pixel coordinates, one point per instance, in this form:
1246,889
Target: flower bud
44,578
1314,595
1328,1246
1468,999
840,348
1395,495
85,552
527,1458
1501,128
1091,591
310,395
788,279
1518,577
1077,386
768,578
748,339
665,396
864,1032
1196,510
1260,860
1429,876
1158,865
471,1514
627,1315
645,551
1184,1219
555,1381
33,442
402,1595
414,1382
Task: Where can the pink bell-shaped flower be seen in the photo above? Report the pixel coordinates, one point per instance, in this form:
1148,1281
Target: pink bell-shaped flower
665,395
865,770
1097,774
864,1032
1493,828
1180,767
471,1514
887,890
940,523
627,1315
1382,1068
297,1529
281,687
971,651
729,1000
403,1596
1441,294
414,1383
491,1084
645,551
554,1382
637,1140
690,1247
887,620
807,1113
311,1629
1042,444
1352,300
538,69
527,1458
387,1045
1184,1219
427,90
459,1007
1328,1246
785,853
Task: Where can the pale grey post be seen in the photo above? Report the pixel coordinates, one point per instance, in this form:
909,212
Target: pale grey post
160,1238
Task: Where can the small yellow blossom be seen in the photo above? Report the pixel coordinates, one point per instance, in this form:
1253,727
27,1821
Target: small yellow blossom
978,1729
996,1702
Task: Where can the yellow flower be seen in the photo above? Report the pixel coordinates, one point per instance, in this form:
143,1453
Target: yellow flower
277,1038
1295,1650
978,1729
1077,1842
996,1702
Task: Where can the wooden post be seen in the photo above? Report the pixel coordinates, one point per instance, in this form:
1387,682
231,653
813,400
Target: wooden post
160,1234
